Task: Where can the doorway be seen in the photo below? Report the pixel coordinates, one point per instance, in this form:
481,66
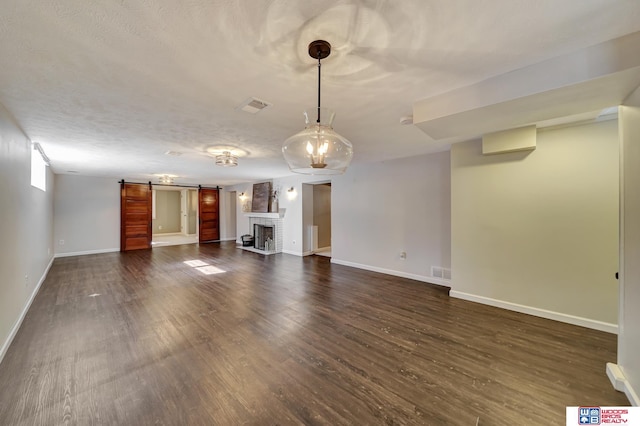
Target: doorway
316,202
161,215
174,216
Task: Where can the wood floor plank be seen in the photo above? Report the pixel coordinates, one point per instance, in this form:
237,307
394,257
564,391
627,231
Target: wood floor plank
145,337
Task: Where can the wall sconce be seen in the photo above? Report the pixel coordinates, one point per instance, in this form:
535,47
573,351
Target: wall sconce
243,196
291,193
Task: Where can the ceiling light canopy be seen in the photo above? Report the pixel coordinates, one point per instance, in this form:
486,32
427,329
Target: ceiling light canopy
226,159
318,149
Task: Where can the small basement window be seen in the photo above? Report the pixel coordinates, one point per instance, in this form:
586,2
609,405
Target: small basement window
38,168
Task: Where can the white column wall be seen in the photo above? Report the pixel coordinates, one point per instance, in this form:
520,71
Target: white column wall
629,333
26,227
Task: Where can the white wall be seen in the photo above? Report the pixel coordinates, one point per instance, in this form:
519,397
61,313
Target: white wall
241,221
87,215
629,332
402,202
380,210
293,227
538,231
228,222
26,228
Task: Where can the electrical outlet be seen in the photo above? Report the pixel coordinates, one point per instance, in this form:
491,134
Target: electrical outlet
61,242
26,280
294,242
403,255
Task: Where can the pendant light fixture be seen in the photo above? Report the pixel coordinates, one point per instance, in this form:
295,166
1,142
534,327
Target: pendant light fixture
318,149
166,179
226,159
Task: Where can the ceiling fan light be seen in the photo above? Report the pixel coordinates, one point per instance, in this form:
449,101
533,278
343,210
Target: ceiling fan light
226,159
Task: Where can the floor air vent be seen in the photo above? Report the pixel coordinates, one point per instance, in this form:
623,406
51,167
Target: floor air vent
440,272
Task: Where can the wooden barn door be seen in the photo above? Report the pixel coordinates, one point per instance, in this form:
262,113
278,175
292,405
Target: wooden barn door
135,216
209,203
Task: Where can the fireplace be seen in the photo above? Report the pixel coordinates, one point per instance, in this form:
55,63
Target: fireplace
263,237
267,232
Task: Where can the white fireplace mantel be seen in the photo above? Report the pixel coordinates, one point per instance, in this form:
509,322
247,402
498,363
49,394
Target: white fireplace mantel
278,215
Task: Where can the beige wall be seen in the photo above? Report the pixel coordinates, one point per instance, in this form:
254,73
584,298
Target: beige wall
322,213
26,227
167,212
538,231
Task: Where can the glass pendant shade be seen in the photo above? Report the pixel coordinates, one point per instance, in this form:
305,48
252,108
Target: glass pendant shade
318,149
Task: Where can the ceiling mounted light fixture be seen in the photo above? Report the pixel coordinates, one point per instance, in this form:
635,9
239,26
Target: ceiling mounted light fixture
226,159
166,179
318,149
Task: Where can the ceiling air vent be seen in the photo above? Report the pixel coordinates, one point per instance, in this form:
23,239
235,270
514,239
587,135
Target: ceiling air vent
173,153
253,105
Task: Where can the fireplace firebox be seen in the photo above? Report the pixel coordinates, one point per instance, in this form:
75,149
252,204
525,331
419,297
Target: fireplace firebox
263,237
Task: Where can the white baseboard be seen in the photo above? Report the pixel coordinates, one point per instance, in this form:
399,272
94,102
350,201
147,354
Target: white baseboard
18,323
230,239
423,278
294,253
82,253
543,313
620,383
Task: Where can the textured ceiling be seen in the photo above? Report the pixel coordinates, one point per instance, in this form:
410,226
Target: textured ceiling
108,87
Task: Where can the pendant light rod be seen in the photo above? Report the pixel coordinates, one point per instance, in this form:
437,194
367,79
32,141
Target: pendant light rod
319,49
319,66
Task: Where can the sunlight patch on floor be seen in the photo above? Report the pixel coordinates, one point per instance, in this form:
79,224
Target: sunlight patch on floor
210,270
195,263
204,267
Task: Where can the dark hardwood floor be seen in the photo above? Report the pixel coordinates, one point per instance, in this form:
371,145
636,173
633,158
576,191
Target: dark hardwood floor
143,338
